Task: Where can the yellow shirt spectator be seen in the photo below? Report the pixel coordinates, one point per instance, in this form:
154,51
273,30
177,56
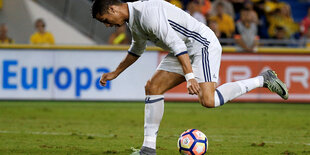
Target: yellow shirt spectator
4,38
6,41
283,18
42,38
225,23
1,4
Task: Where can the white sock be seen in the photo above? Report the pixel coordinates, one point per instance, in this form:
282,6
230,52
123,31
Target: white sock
231,90
154,110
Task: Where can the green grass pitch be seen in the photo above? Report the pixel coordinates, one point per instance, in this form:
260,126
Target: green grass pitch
114,127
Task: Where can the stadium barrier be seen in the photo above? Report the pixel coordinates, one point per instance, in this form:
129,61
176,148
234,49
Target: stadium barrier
72,73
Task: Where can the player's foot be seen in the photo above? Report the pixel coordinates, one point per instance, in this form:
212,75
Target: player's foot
144,151
274,84
135,151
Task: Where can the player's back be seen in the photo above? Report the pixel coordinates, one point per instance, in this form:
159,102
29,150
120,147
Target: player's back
168,27
190,30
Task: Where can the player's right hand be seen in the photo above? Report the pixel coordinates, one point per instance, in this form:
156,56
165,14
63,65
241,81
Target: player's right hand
193,87
107,77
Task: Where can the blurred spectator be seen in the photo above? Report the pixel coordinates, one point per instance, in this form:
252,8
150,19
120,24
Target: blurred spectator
271,5
305,23
228,7
205,7
280,33
119,36
4,39
214,27
253,15
262,19
280,36
305,40
177,3
1,5
246,32
41,36
194,10
224,21
307,37
283,18
238,5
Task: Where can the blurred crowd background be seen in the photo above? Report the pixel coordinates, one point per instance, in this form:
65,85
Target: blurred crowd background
244,24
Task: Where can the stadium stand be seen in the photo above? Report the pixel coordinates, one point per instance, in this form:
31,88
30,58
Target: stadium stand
17,20
268,14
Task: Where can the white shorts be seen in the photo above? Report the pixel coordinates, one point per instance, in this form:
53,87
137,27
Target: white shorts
205,65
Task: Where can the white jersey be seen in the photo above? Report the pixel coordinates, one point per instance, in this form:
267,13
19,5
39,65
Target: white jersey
166,26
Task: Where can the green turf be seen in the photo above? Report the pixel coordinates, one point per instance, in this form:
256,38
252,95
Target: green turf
113,128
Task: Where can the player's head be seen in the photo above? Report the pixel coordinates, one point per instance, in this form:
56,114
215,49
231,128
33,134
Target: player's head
108,12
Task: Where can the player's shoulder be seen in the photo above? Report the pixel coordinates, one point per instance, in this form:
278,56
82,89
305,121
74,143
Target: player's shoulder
149,4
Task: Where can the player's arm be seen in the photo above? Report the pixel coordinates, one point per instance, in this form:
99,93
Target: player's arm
192,84
160,27
136,49
125,63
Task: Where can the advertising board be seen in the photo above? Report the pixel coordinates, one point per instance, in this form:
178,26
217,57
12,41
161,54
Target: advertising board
64,74
70,75
293,69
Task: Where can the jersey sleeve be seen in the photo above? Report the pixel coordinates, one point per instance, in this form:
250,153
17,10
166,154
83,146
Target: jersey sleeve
155,21
137,46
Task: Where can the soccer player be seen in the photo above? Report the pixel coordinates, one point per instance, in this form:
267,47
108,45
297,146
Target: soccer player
195,55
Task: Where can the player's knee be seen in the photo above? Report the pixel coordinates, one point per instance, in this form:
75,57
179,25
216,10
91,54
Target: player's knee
151,88
207,102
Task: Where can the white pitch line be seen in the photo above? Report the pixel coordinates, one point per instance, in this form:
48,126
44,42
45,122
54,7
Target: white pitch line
219,138
58,133
215,137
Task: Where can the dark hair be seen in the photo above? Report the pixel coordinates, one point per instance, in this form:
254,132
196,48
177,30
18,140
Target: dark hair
221,4
280,28
245,9
102,6
40,20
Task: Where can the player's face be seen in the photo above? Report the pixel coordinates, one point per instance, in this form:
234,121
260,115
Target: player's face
111,18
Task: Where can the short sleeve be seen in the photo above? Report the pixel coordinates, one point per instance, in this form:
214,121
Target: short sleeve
155,21
137,46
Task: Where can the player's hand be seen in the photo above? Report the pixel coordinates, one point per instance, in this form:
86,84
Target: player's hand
107,77
193,87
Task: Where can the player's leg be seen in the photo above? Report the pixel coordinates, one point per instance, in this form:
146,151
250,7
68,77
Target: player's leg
206,68
162,81
211,96
154,106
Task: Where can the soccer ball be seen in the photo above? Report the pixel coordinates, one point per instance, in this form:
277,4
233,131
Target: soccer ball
193,142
